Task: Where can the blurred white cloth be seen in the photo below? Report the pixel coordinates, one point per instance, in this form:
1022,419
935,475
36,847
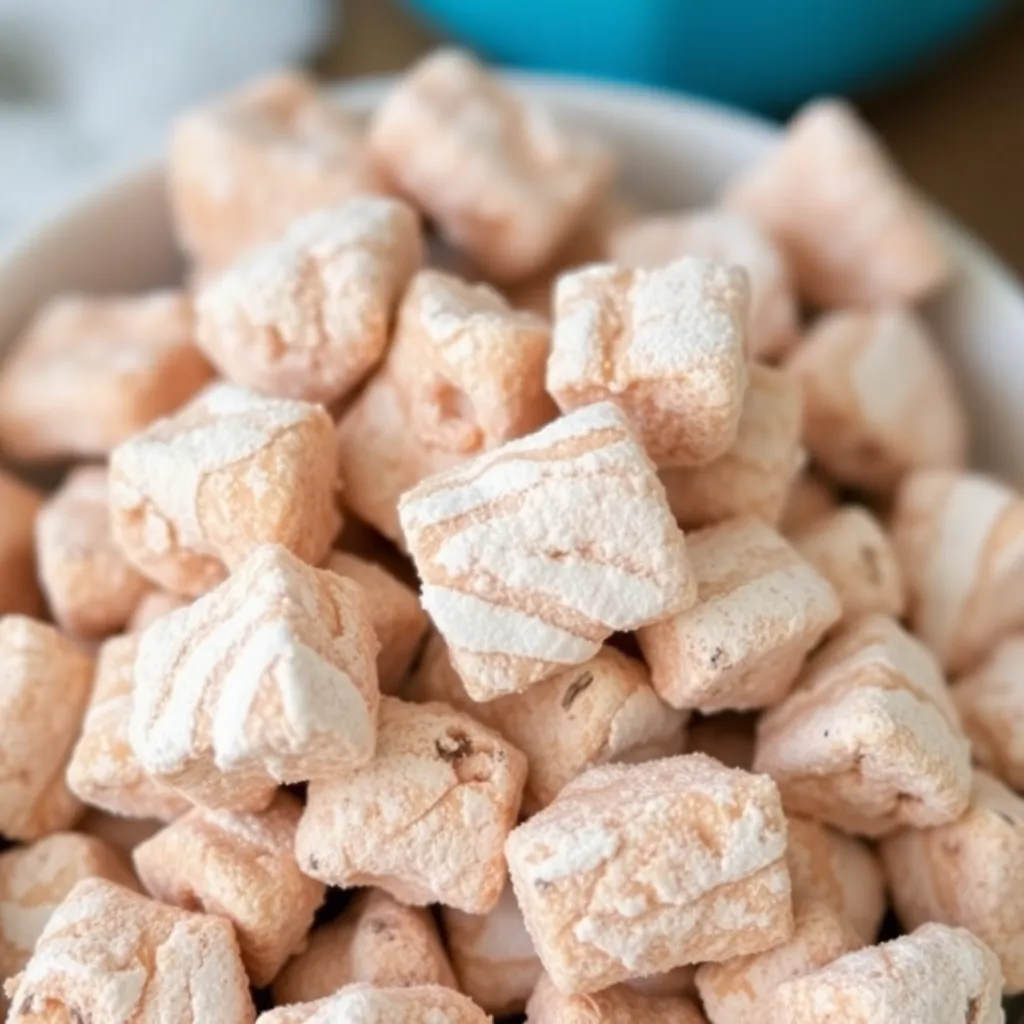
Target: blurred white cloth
87,84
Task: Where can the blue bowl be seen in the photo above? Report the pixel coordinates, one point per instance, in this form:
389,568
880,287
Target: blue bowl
768,55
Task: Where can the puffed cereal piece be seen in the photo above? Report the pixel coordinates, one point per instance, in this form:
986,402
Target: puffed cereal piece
107,954
851,549
852,230
243,167
394,611
869,740
376,940
240,865
123,834
603,710
879,400
426,819
90,372
991,704
636,869
504,183
960,540
726,236
969,873
667,345
728,737
154,605
755,475
90,587
194,495
44,687
533,554
308,315
619,1004
761,610
937,975
809,499
35,879
493,955
269,678
104,771
367,1004
19,506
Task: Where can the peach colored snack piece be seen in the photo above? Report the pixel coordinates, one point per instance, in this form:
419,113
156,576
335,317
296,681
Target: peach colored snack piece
851,549
123,834
960,540
376,940
426,819
107,954
19,506
991,703
755,475
90,587
269,678
869,740
725,236
667,345
308,315
44,687
603,710
852,231
493,955
809,499
636,869
619,1004
366,1004
238,865
242,168
104,771
533,554
505,184
90,372
154,605
879,400
195,494
968,873
727,736
761,609
937,975
35,879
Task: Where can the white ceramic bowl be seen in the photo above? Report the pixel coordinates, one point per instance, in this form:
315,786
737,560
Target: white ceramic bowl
673,153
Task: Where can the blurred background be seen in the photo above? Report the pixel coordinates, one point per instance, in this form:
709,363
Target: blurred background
89,85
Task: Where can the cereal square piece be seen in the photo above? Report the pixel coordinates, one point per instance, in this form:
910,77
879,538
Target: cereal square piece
755,475
667,345
728,737
968,873
869,741
242,168
376,940
725,236
603,710
636,869
503,182
239,865
154,605
809,499
90,372
761,610
426,819
367,1004
960,540
879,400
936,975
619,1003
269,678
19,506
44,688
308,315
90,586
533,554
35,879
195,494
853,231
394,611
104,771
107,954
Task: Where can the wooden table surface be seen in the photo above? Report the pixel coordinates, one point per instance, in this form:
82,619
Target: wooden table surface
956,126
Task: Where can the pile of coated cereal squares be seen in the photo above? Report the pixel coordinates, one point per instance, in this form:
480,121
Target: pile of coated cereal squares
667,725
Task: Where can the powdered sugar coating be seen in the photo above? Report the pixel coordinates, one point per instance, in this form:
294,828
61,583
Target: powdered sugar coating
19,506
152,606
620,1003
367,1004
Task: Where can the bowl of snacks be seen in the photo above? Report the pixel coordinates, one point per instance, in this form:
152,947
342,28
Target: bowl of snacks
589,513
